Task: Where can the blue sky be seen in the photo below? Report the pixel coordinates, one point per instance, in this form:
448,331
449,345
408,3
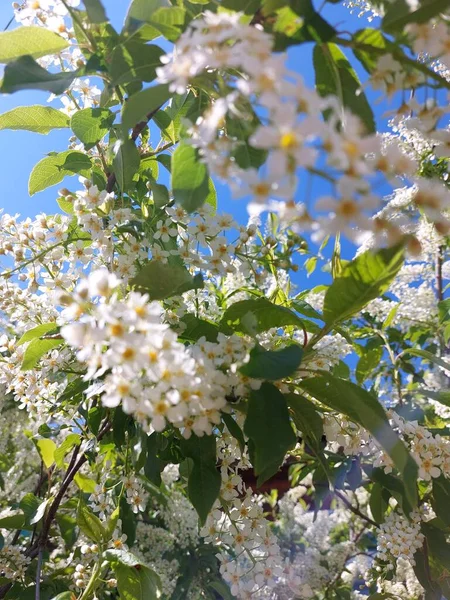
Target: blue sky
21,150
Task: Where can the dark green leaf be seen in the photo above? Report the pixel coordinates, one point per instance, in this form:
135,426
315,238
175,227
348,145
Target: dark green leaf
139,105
52,169
366,277
196,328
12,522
335,76
204,479
377,503
95,11
126,163
25,74
258,315
39,119
399,13
272,364
137,583
441,498
363,408
161,280
234,429
134,61
90,125
367,363
268,426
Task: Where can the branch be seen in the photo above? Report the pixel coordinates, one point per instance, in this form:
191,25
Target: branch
353,509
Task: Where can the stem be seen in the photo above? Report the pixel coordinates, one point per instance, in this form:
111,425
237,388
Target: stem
38,576
93,581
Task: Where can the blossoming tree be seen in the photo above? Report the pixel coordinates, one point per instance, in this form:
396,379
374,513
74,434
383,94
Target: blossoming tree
181,417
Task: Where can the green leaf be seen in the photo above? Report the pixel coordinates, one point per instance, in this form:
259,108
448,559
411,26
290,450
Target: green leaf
89,523
12,522
143,10
377,503
196,328
272,365
52,169
259,314
137,583
204,479
36,350
313,27
90,125
161,280
189,181
429,356
234,429
73,439
36,332
400,14
139,105
306,418
32,41
134,61
363,408
268,426
366,277
38,119
335,76
367,363
95,11
441,498
85,483
153,464
372,38
126,163
25,74
68,529
33,508
65,596
46,449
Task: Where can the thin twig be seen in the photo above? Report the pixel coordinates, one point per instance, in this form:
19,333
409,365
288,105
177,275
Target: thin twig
353,509
38,576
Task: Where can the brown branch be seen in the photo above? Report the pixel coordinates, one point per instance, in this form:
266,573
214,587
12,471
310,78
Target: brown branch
136,132
353,509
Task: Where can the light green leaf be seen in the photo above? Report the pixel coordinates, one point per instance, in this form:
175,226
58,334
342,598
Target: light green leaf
366,277
189,181
36,350
89,523
31,41
85,483
143,10
39,119
363,408
46,449
272,365
268,426
335,76
126,163
90,125
266,315
161,280
36,332
95,11
139,105
52,169
204,479
134,61
73,439
428,356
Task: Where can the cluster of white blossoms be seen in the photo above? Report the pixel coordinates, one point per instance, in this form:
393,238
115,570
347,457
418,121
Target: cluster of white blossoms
398,537
295,137
146,369
13,563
